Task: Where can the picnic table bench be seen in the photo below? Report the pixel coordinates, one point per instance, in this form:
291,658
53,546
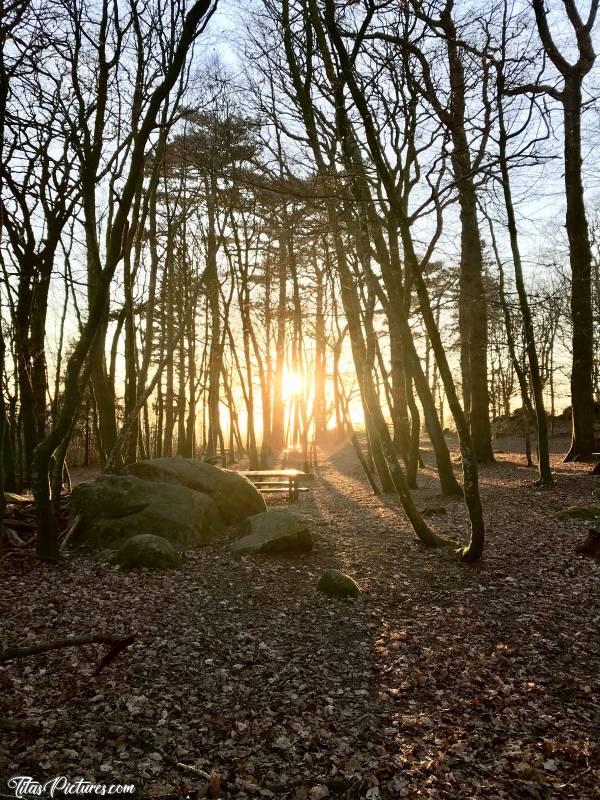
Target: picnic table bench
278,481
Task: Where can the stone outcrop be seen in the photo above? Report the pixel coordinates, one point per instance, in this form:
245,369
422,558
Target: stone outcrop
116,507
188,503
233,494
279,531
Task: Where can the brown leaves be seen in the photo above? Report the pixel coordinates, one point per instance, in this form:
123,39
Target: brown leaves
439,682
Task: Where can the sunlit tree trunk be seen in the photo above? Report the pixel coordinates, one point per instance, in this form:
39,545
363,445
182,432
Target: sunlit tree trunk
211,283
266,370
169,328
320,400
277,430
190,434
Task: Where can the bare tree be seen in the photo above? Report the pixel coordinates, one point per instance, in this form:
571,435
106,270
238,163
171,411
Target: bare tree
185,32
571,98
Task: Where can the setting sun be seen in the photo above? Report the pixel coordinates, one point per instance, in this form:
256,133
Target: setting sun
293,384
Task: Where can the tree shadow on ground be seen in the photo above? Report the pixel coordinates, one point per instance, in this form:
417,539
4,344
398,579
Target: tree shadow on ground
460,650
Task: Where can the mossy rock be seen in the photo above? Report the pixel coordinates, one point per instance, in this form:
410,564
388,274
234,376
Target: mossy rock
147,550
334,583
579,512
275,532
114,508
233,494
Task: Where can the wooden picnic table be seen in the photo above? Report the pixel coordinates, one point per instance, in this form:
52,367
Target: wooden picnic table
274,481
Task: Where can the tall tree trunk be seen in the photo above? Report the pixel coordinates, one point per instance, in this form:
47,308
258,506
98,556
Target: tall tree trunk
472,299
583,441
472,305
181,383
246,326
130,398
23,356
320,399
545,473
266,373
169,327
474,550
211,281
3,436
104,395
400,419
190,435
277,430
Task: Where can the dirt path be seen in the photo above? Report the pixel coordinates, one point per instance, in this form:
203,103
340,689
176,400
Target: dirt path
441,681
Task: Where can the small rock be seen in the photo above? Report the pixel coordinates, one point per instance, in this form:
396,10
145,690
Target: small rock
279,531
105,556
334,583
319,792
282,743
147,550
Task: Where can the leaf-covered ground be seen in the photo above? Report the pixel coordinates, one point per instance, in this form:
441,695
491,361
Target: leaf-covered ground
441,681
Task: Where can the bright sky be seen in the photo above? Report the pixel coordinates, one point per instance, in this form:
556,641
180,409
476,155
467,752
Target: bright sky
539,190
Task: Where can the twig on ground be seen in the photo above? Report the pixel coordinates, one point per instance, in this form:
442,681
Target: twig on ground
198,773
113,653
13,538
117,644
70,532
19,725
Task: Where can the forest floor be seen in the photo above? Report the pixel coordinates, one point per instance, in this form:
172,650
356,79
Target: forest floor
441,681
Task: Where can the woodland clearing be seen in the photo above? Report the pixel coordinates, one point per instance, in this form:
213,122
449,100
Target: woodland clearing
442,680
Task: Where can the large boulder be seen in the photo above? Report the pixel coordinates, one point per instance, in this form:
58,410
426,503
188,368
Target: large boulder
337,584
116,507
234,495
146,550
280,531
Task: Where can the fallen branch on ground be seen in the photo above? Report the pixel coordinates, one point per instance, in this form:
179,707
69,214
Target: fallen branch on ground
70,532
13,538
19,725
116,646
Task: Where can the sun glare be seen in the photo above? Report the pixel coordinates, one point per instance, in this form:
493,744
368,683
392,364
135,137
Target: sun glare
292,385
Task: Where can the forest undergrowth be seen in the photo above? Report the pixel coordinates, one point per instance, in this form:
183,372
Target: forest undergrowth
443,680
